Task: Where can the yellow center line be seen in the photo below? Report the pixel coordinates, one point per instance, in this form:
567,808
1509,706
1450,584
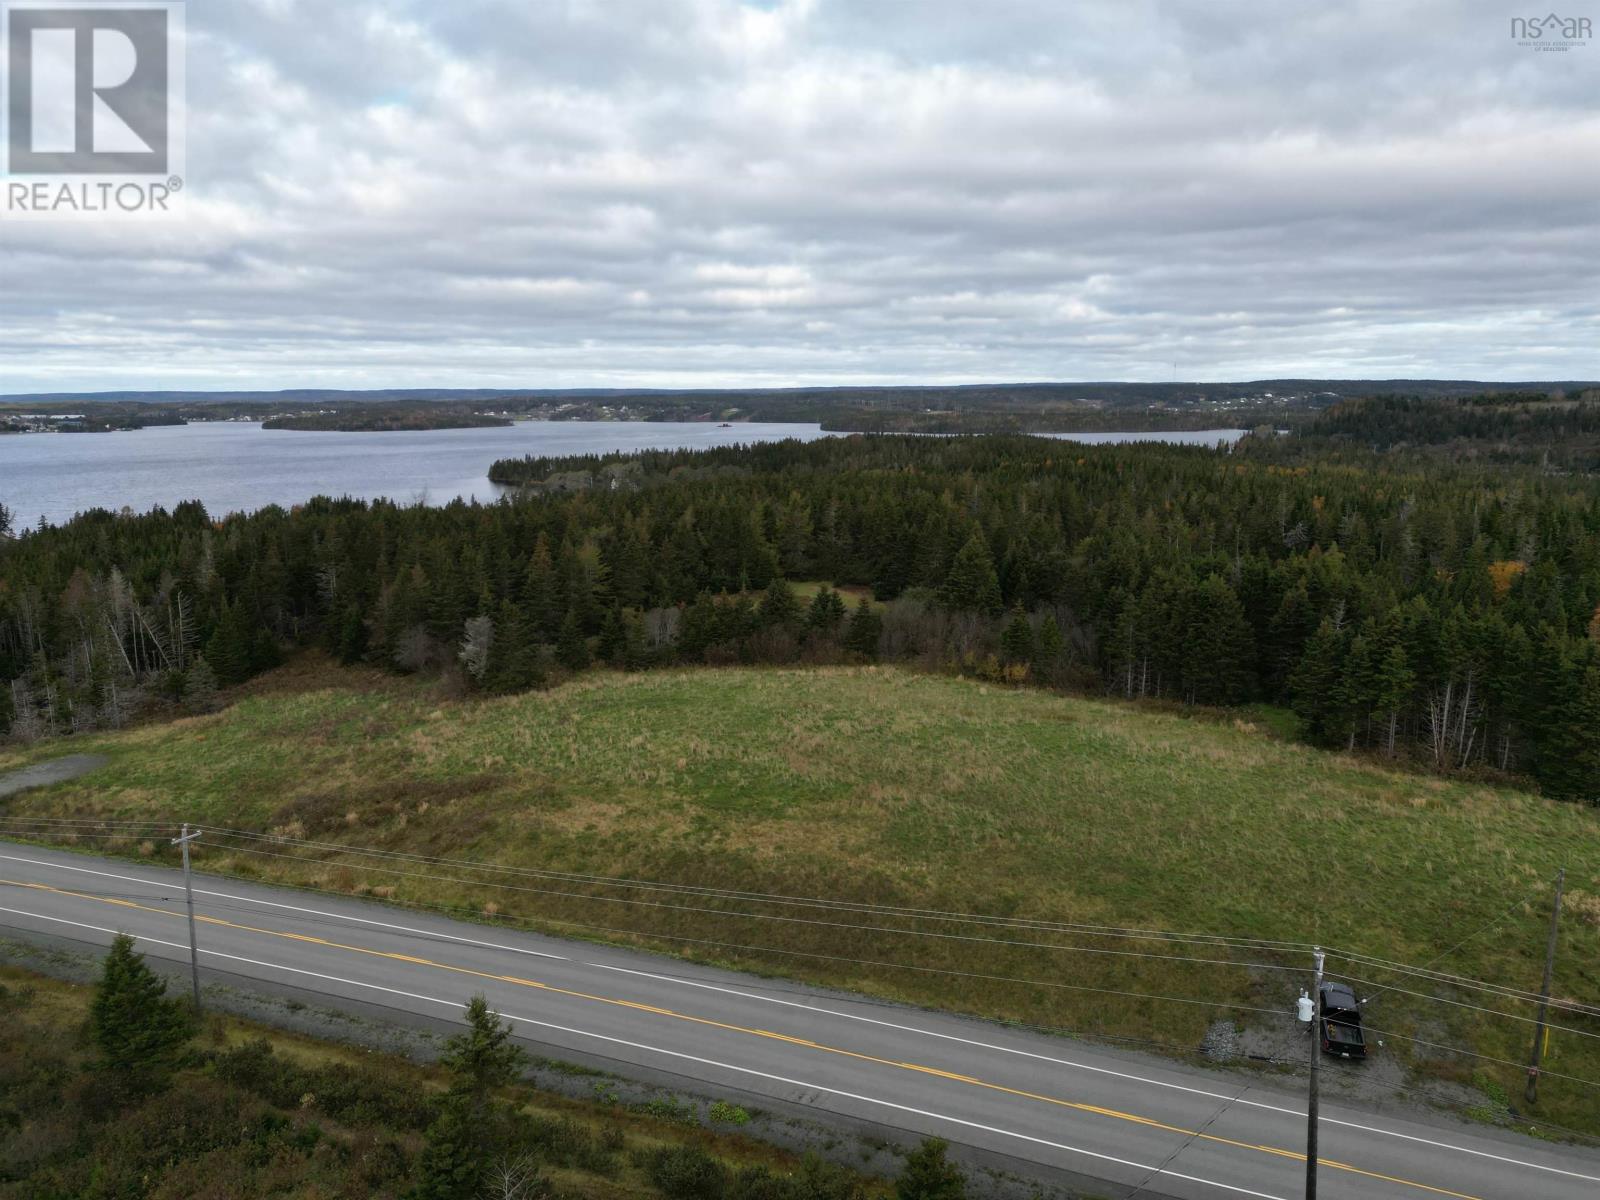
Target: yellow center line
918,1068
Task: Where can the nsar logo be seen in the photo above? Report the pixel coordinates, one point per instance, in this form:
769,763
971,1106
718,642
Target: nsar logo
1551,32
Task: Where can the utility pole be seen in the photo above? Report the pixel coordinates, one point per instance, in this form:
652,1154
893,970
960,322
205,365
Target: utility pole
188,892
1532,1092
1316,1061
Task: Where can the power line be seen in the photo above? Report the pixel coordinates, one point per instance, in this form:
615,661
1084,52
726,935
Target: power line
656,904
1470,937
945,971
770,898
78,826
1474,1054
1476,1008
1468,984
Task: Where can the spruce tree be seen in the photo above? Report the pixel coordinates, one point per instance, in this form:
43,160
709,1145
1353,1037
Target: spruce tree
1393,684
634,654
572,648
972,586
484,1057
826,610
351,643
930,1175
865,629
1016,642
541,593
1356,695
778,604
1051,648
1315,683
613,637
470,1128
228,650
200,685
140,1033
1217,646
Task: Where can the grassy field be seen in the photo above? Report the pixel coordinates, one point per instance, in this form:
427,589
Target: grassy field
893,787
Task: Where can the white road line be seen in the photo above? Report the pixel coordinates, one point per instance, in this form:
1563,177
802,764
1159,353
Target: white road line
708,1062
315,912
1067,1062
1056,1061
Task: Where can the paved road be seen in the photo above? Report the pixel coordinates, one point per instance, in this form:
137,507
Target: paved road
1058,1105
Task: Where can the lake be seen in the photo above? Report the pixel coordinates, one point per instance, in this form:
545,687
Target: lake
236,466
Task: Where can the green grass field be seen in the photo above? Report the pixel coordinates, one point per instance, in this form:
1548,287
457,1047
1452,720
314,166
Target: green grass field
893,787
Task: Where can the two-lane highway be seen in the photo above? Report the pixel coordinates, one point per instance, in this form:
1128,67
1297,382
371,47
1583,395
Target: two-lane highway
1063,1106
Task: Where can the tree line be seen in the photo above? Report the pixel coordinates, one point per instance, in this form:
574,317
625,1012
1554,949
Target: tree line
1449,615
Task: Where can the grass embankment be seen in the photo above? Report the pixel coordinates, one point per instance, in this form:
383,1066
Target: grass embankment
892,787
258,1112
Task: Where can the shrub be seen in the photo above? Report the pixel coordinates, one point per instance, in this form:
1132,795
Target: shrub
686,1173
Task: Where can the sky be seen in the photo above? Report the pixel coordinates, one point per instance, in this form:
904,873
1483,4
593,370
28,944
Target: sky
688,193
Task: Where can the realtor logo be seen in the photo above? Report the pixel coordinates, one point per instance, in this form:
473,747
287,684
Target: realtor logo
93,106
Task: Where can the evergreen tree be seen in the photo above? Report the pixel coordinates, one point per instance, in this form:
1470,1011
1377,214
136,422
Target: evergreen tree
229,648
8,709
516,662
699,628
1568,765
1316,682
200,685
1016,642
866,627
572,648
1051,649
1393,684
452,1165
826,612
483,1058
778,604
1217,648
1356,695
470,1128
541,596
972,585
351,642
634,655
140,1033
930,1175
613,637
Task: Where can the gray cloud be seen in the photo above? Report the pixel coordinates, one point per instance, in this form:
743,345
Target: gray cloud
708,192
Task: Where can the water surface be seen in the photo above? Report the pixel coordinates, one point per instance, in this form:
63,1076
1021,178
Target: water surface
237,466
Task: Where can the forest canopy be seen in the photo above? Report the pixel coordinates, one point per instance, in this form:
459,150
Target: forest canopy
1450,614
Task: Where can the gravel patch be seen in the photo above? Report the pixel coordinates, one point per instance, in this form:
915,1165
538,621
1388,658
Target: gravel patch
57,770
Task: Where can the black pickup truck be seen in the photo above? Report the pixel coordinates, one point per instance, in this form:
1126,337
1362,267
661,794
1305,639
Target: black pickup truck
1341,1022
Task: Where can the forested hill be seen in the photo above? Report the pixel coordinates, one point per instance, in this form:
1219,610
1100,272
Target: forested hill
1447,615
1503,428
385,419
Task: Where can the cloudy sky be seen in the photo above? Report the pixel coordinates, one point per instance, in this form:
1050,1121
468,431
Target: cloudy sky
552,193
